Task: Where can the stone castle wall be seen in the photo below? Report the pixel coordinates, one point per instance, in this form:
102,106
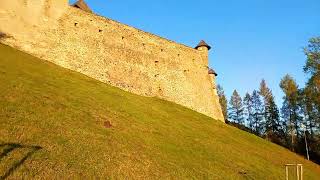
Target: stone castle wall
112,52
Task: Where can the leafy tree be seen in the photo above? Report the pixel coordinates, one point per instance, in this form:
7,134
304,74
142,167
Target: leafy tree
308,109
312,67
236,108
312,51
311,96
290,108
223,102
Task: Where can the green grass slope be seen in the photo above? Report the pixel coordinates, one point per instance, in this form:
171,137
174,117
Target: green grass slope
52,125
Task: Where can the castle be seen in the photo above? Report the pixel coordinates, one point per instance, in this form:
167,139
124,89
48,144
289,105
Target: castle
136,61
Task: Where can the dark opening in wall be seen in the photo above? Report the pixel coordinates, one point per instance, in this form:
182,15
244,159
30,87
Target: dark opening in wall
156,61
156,75
100,30
122,38
162,50
75,24
3,35
178,55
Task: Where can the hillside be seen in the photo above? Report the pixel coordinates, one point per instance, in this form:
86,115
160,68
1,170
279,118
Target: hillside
58,123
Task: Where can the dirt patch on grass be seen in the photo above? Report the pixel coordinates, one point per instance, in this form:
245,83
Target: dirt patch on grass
107,124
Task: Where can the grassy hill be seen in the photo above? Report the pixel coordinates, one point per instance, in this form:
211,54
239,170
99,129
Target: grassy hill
55,123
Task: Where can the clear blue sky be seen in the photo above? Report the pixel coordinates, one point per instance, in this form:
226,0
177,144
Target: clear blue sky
251,39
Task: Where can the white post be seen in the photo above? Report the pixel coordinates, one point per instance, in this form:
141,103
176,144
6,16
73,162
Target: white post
298,174
305,140
301,172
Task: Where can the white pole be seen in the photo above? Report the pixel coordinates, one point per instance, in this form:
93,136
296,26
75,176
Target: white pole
305,139
298,175
301,172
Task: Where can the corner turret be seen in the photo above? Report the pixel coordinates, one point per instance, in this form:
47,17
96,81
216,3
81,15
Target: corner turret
204,48
213,76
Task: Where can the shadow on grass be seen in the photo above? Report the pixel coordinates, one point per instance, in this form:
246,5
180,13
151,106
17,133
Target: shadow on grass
9,148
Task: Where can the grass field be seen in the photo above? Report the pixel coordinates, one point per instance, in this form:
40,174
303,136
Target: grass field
55,123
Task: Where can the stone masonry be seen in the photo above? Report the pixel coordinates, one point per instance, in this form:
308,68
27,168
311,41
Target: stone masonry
111,52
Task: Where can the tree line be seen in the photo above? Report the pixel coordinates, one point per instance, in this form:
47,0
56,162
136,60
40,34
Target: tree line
293,124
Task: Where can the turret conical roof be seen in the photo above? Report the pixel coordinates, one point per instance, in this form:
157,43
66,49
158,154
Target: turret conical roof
202,43
211,71
82,5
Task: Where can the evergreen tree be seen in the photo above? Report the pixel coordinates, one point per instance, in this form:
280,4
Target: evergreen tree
273,127
236,108
223,102
248,110
258,113
265,93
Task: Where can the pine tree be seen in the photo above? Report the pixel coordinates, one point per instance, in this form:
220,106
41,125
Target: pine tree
248,110
236,108
273,124
258,113
265,93
223,102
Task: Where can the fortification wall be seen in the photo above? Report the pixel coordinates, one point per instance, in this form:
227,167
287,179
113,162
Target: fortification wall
117,54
